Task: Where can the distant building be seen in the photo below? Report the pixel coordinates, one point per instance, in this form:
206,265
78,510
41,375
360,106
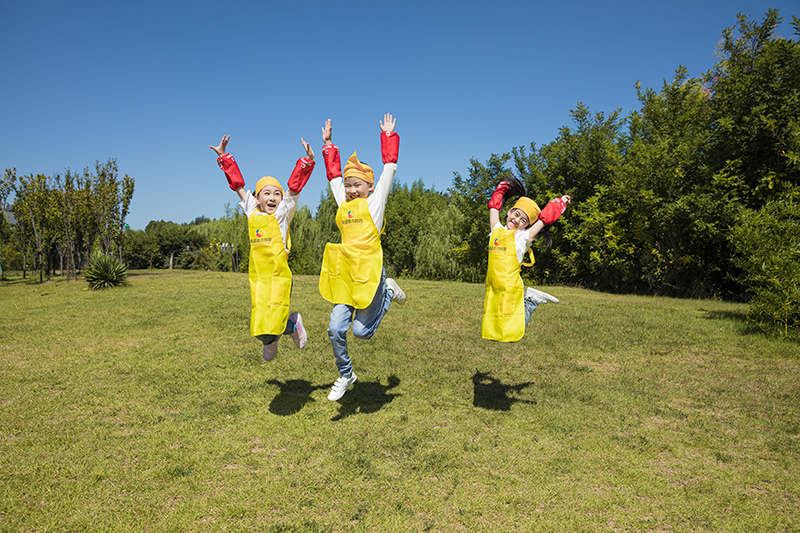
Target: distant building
8,215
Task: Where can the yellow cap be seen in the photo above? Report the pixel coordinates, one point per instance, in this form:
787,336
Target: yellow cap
528,207
356,169
267,180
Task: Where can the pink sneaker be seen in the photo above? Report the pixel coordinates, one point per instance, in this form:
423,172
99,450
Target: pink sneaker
300,337
270,350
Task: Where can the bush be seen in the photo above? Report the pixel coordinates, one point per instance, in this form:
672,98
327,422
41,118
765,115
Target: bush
768,244
105,271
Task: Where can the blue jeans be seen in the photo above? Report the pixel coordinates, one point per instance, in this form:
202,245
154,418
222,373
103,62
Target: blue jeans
530,307
364,321
269,339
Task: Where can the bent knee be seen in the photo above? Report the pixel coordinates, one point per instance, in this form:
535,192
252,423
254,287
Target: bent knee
363,333
336,333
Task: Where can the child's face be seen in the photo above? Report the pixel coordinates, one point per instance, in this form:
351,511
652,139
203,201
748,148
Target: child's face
356,188
516,219
268,199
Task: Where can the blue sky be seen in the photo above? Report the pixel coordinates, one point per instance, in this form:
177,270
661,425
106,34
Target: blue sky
153,84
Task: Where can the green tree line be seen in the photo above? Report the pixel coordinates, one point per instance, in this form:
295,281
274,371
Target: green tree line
693,194
60,219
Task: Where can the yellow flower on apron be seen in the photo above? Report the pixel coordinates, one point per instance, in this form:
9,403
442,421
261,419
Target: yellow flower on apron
351,270
270,277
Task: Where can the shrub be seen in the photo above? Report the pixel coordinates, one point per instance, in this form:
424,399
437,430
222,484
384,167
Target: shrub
768,246
105,271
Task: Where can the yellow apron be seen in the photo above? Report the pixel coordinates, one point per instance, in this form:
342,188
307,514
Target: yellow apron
270,277
351,270
503,306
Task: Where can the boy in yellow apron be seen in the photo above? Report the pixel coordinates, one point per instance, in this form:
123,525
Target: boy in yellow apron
269,213
352,276
507,306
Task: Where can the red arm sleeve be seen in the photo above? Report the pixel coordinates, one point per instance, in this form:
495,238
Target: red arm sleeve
390,146
231,169
496,201
300,174
552,211
333,165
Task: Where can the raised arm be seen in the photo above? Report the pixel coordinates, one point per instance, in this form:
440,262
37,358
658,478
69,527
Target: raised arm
229,166
554,209
302,170
330,153
333,163
494,217
507,187
547,216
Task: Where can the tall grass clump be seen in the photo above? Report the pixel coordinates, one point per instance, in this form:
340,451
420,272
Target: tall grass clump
105,271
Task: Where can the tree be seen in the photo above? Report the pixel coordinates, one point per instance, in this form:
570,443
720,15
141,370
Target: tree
140,249
656,226
441,247
34,209
582,158
69,209
173,240
109,202
302,231
6,187
408,212
755,96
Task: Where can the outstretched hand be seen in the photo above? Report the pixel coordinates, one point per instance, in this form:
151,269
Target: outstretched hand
309,150
222,145
326,132
387,125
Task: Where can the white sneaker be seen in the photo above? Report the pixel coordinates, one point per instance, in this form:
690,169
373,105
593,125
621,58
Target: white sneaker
270,350
300,337
397,293
341,386
540,297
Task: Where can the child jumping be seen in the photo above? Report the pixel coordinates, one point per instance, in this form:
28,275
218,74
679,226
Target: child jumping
507,306
352,276
269,213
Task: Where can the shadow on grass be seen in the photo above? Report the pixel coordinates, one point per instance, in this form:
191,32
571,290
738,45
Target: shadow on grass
491,393
32,280
745,326
366,397
293,395
734,316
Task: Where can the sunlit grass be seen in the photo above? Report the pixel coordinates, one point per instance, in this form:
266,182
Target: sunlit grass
148,407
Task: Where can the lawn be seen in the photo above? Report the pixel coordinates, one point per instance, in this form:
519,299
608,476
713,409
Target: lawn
148,408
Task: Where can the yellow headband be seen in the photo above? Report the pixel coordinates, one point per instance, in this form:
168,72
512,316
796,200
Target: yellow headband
356,169
267,180
529,207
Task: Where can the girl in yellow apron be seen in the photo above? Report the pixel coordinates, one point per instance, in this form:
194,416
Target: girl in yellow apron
352,276
269,213
507,306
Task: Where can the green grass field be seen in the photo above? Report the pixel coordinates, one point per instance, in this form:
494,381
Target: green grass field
149,408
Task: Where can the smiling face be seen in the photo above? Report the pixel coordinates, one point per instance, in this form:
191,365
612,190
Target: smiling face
356,188
268,199
516,219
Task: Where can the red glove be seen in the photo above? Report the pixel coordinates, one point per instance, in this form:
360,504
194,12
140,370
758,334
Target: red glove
496,201
333,165
390,146
300,174
228,165
552,211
